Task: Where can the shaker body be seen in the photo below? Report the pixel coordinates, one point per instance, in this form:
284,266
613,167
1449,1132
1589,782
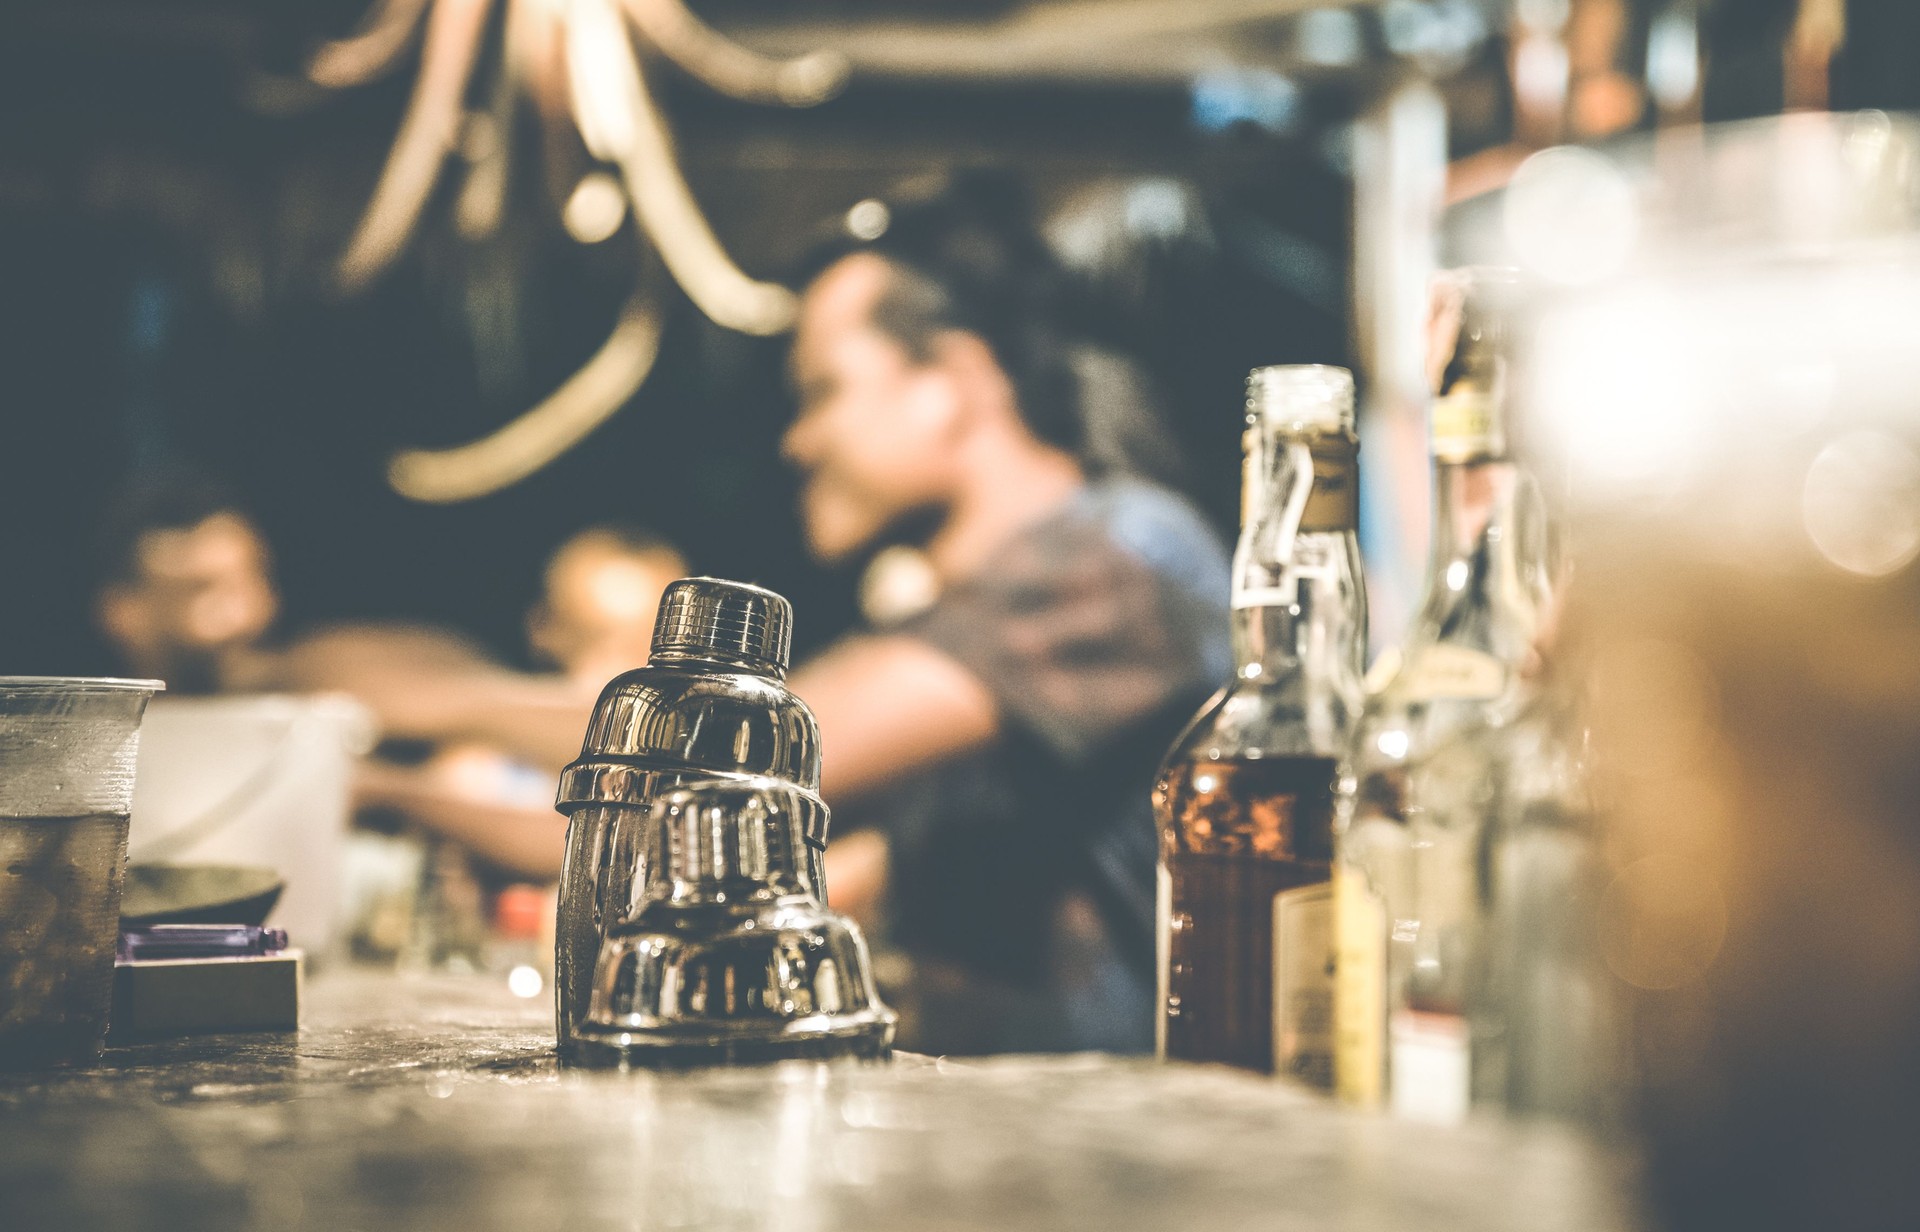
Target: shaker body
656,728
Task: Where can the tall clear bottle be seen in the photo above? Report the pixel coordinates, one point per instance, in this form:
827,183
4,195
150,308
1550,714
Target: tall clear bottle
1245,799
1418,1021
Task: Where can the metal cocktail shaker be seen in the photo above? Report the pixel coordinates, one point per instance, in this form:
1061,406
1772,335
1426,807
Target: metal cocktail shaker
731,957
709,703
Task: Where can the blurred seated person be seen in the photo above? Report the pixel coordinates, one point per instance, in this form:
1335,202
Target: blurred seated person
188,597
594,620
187,593
602,592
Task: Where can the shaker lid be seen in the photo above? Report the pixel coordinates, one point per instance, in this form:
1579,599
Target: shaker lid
729,622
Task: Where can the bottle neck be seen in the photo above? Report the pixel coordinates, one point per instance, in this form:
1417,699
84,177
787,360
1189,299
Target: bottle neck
1486,553
1298,602
1323,629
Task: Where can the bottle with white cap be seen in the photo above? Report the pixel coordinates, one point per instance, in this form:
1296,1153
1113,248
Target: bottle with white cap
710,702
1245,799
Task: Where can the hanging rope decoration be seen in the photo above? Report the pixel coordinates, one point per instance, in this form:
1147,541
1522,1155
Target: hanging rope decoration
576,62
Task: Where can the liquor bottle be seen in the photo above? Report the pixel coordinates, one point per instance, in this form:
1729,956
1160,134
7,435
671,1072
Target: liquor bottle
1418,794
1548,990
1245,800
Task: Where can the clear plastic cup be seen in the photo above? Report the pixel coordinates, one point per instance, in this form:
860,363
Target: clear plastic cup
67,748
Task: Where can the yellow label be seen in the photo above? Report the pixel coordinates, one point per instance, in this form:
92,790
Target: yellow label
1334,503
1384,669
1163,955
1452,673
1360,987
1303,1030
1465,426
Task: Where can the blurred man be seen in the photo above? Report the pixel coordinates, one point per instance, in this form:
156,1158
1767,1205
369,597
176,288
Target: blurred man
187,593
1003,741
1000,744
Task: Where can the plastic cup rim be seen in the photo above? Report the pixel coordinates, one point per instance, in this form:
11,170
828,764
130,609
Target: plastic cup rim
79,684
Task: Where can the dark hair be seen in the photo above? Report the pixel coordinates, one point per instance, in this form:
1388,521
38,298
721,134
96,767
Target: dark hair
173,501
972,259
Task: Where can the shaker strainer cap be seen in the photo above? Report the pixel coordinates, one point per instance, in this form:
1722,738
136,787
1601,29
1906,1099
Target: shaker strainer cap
729,622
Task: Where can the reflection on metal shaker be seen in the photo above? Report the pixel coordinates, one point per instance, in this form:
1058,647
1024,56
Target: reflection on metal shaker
709,703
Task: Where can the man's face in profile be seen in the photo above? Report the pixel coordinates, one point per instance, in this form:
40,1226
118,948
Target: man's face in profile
874,437
196,592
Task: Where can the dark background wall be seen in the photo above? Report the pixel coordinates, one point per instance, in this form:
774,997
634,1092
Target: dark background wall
170,201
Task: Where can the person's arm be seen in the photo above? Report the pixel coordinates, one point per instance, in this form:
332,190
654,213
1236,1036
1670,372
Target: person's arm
857,875
525,839
888,705
423,686
539,718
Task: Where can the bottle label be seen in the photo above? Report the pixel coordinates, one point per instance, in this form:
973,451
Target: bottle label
1163,955
1334,503
1432,1067
1453,673
1360,983
1464,426
1384,669
1303,1036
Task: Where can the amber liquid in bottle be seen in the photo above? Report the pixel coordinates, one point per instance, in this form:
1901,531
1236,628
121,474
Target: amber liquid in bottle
1241,832
1245,800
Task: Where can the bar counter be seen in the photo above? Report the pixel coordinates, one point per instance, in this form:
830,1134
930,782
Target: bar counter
435,1103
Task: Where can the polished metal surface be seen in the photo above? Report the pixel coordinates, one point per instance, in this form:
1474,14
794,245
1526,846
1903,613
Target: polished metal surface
716,621
687,715
731,957
706,704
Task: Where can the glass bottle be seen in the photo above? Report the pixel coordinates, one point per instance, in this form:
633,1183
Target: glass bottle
1547,1002
1419,791
1245,799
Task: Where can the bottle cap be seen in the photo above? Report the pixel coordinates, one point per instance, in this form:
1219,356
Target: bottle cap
715,620
1307,396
